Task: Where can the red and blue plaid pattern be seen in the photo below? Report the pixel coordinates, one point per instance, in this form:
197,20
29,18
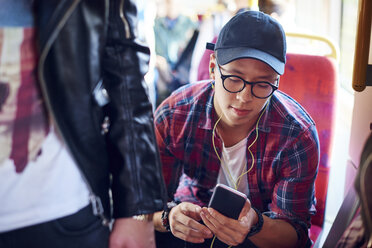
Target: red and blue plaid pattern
281,183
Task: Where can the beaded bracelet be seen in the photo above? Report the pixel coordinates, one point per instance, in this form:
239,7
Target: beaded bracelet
165,215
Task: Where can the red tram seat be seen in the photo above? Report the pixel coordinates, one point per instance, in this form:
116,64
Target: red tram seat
311,80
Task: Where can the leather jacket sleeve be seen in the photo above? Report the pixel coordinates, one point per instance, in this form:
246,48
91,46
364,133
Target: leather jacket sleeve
137,181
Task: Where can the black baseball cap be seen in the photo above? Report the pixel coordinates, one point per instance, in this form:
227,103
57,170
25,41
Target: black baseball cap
252,34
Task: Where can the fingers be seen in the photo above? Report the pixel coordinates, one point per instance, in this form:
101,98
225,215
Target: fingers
229,231
184,223
191,210
190,235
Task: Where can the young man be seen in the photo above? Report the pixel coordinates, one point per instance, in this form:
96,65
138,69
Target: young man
238,130
75,155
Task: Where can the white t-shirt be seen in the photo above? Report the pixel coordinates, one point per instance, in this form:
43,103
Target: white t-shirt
233,164
48,188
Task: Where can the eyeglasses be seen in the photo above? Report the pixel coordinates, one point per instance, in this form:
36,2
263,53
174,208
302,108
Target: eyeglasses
235,84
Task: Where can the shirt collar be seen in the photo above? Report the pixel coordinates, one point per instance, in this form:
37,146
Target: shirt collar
263,124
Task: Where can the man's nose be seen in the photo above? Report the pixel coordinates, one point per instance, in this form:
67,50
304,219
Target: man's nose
245,95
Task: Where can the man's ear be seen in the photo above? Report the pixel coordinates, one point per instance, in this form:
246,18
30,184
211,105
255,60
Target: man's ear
212,66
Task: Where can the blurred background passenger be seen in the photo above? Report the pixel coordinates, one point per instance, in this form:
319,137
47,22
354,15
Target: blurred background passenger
173,31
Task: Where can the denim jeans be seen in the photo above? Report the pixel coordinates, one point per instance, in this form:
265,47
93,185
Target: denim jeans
81,229
167,240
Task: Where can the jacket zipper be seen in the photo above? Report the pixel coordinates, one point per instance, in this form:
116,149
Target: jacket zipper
128,36
124,19
95,201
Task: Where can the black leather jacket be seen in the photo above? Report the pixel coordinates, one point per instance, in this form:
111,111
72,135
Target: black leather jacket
82,44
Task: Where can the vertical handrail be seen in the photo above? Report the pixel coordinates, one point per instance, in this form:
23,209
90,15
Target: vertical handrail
362,43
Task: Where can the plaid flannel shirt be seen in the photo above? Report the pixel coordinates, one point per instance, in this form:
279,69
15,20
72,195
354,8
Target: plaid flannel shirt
281,183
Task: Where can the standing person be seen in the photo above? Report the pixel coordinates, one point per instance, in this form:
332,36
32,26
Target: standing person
238,130
173,32
77,138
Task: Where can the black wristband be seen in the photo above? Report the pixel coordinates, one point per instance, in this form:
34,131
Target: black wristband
165,215
258,226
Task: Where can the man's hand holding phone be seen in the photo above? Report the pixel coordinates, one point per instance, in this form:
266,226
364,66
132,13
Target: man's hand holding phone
184,223
234,229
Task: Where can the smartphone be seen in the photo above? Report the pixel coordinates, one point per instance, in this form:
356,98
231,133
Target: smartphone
227,201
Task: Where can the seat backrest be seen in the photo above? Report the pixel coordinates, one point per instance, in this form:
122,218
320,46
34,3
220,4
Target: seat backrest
311,80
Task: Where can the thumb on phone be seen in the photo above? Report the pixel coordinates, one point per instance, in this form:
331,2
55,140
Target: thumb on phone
245,210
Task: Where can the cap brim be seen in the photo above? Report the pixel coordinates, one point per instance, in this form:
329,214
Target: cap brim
227,55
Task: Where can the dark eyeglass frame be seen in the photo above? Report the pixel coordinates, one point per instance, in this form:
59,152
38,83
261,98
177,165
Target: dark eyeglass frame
223,77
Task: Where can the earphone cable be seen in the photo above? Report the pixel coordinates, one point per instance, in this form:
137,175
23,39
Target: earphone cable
237,183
